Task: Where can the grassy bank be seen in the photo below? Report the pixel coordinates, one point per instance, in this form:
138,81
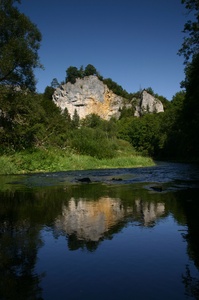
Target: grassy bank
43,160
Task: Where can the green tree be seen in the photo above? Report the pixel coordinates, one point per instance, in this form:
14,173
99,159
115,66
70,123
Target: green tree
22,120
19,43
55,84
150,91
143,133
191,108
67,117
171,129
49,90
190,46
92,121
75,120
90,70
72,73
190,50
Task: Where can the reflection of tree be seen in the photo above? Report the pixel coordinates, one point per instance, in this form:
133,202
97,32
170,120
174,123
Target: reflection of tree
187,203
19,243
18,248
191,284
74,244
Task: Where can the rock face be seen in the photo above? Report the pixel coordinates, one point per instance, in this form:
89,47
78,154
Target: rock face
148,104
88,96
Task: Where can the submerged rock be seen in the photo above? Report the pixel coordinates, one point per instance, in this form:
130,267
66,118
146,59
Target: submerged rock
85,179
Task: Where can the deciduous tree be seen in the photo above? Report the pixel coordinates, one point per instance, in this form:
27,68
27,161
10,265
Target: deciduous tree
19,43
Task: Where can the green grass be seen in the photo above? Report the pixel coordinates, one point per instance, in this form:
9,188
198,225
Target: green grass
54,160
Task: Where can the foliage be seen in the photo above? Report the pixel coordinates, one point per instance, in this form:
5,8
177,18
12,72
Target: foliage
143,133
49,90
93,142
55,159
21,119
117,89
90,70
190,46
19,44
55,84
171,129
190,111
75,120
126,112
72,73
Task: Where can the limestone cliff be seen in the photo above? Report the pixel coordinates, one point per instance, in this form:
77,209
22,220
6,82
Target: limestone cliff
148,104
89,95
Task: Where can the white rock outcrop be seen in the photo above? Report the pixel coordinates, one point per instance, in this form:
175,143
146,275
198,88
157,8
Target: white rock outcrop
88,95
148,104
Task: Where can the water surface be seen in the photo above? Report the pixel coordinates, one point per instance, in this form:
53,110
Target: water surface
128,234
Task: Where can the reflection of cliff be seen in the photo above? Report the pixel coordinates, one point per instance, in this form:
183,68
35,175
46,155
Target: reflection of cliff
89,220
150,211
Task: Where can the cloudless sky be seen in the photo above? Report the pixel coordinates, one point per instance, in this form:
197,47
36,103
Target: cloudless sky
133,42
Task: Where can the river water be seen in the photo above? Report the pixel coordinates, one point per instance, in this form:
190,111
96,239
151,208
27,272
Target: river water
101,234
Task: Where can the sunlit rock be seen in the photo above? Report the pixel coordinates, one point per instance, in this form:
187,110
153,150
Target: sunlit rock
88,95
148,104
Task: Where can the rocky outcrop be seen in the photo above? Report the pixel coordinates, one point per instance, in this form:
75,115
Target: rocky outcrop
148,104
88,96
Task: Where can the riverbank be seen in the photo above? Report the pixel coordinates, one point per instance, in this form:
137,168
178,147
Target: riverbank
49,160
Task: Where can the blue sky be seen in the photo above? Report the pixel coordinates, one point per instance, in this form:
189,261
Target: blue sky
133,42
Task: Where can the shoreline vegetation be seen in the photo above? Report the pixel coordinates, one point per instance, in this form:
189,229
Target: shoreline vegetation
49,160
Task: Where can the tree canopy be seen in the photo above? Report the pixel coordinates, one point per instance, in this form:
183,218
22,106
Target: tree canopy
19,43
190,45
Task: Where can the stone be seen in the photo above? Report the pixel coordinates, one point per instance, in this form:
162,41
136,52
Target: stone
88,95
148,104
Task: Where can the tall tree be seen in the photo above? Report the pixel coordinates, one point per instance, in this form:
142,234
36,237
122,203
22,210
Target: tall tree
19,43
190,50
75,120
190,46
54,83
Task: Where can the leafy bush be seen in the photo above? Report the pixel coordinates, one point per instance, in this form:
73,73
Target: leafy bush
93,142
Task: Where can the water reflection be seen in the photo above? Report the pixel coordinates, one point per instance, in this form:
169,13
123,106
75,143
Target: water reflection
90,220
89,217
150,211
19,243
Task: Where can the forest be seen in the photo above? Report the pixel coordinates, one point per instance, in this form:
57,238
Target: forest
30,122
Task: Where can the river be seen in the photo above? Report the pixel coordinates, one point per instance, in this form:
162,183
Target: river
101,234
